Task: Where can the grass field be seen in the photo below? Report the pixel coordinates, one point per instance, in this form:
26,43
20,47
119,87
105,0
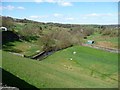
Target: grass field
24,47
88,68
104,41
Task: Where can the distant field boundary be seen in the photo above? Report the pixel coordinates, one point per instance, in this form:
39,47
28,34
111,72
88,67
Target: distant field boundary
103,48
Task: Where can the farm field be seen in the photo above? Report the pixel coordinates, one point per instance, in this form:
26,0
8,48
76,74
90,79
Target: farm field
88,68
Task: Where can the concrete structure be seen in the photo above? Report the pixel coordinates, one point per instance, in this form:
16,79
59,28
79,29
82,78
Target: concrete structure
3,28
90,41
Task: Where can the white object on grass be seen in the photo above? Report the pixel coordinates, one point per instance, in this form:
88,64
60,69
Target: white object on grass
74,52
71,59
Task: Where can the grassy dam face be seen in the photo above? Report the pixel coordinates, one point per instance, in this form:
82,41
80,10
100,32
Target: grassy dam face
88,68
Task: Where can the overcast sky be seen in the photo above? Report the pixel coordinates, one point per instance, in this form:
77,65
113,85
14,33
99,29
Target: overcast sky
63,12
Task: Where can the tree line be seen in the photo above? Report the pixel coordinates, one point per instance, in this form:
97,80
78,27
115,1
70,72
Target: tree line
55,36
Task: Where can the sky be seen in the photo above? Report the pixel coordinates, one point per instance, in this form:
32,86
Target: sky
63,12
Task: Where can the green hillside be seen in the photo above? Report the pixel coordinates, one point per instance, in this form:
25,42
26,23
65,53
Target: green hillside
88,68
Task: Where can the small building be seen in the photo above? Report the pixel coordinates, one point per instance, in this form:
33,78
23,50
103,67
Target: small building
90,42
3,29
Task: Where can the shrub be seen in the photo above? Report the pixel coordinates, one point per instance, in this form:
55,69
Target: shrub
8,22
29,32
110,32
58,39
87,31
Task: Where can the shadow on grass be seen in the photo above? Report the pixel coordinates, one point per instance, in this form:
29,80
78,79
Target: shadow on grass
10,47
13,81
9,36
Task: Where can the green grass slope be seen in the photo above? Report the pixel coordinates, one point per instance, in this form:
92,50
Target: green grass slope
89,68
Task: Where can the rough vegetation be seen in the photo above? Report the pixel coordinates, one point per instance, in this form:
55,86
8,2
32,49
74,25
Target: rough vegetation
55,36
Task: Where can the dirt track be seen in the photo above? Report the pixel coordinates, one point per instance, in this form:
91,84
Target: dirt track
103,48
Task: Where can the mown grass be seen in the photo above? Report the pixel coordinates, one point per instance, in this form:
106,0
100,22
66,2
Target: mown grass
89,68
